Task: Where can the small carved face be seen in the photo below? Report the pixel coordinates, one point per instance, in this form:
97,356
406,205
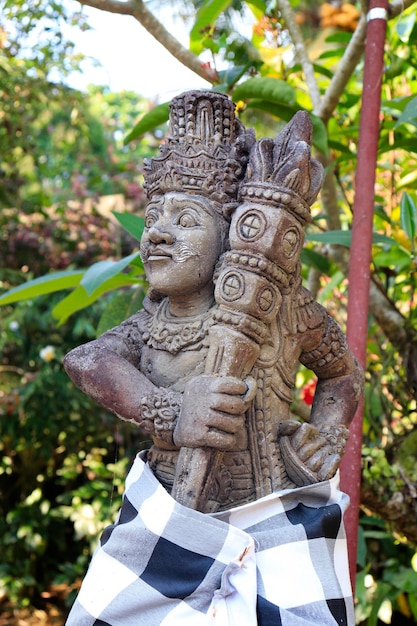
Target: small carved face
181,243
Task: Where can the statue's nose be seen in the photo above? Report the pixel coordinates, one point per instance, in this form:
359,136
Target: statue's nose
160,235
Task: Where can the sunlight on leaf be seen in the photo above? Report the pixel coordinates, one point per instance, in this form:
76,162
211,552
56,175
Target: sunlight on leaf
79,298
408,216
133,224
405,25
409,115
344,238
102,271
270,89
43,285
150,121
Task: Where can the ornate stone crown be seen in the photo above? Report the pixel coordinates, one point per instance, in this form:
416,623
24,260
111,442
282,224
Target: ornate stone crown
282,173
206,152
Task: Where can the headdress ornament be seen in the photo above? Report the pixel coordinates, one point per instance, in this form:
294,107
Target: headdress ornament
282,173
206,152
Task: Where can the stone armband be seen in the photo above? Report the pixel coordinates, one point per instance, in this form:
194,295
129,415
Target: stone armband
159,413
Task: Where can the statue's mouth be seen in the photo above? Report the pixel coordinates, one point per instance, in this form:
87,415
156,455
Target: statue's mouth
157,254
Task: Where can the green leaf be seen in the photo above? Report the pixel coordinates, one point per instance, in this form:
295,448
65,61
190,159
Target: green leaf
230,76
269,89
120,307
80,299
329,288
339,36
409,145
156,117
311,258
335,237
257,6
362,550
282,111
324,71
344,238
320,137
381,594
206,16
340,147
395,257
396,105
405,25
286,112
49,283
412,600
408,216
102,271
335,52
133,224
409,115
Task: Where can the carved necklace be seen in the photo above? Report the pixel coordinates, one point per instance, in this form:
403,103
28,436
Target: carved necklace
166,332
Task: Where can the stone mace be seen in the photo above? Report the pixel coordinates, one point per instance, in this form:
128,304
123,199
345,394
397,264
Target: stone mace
266,238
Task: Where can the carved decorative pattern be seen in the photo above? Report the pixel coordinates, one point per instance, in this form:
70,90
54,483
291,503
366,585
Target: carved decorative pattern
174,334
206,152
332,348
251,226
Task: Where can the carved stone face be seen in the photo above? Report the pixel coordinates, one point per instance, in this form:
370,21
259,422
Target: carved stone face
181,243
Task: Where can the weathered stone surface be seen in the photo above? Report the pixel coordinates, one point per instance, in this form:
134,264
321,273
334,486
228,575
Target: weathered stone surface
207,368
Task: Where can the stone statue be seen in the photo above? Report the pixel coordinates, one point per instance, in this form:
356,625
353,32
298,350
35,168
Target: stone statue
207,368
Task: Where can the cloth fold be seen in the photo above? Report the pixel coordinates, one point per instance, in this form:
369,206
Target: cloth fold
281,560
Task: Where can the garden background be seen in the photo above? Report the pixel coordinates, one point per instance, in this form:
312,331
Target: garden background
71,203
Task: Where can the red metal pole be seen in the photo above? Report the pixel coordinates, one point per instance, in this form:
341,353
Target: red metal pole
361,248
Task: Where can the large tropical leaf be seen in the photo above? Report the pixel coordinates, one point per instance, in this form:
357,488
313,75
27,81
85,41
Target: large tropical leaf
286,112
269,89
80,299
49,283
133,224
344,238
102,271
151,120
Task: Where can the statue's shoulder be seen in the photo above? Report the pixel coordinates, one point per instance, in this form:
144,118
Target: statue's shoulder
309,314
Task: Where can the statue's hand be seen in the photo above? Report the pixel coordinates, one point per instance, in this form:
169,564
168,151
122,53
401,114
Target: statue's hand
213,412
319,450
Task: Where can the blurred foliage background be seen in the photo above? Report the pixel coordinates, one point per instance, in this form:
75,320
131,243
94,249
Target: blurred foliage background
71,201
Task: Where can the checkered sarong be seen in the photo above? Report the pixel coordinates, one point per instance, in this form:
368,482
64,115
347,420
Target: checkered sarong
281,560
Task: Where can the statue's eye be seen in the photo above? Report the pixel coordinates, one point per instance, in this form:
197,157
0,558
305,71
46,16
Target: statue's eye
151,218
187,219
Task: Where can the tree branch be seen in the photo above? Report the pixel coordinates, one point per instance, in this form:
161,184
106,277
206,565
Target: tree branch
350,59
300,51
396,7
344,71
138,10
112,6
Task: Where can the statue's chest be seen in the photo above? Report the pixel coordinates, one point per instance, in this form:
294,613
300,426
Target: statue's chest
172,370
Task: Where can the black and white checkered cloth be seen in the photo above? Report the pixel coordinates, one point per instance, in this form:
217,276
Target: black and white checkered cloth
281,560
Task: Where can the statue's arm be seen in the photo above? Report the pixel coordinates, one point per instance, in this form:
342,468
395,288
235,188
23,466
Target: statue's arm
106,370
340,378
313,451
